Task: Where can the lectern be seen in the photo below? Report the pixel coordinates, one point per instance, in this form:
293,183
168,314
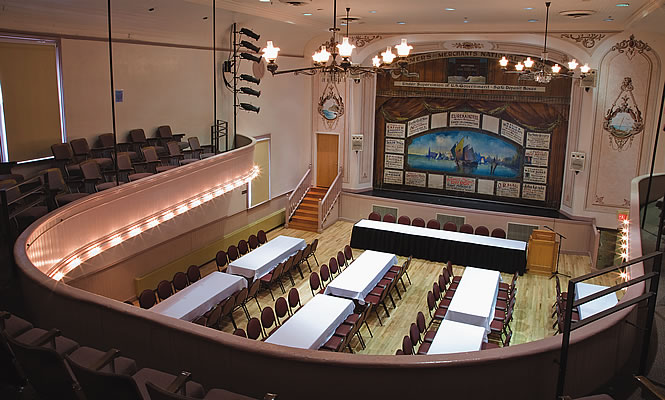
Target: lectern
542,253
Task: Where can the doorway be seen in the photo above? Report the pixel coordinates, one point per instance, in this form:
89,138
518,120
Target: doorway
327,147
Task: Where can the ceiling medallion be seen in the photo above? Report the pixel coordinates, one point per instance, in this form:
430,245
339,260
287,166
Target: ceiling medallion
625,121
588,40
631,46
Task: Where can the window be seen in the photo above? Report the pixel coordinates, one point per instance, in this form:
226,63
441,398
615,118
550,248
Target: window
259,188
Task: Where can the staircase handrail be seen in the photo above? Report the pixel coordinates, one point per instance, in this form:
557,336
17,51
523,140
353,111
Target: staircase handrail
298,194
328,201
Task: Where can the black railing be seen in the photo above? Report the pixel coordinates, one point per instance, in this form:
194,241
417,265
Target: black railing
571,303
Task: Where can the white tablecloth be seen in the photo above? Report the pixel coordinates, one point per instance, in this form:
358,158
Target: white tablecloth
362,275
259,262
201,296
441,234
456,337
315,323
593,307
475,298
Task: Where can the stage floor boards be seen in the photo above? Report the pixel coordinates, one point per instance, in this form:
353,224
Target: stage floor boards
531,321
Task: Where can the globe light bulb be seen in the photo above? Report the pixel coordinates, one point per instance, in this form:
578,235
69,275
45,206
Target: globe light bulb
519,66
585,70
388,55
376,61
503,62
572,64
345,48
403,48
528,62
556,68
270,52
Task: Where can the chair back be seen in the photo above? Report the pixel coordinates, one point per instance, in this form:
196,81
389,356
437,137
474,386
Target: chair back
194,143
55,180
232,253
261,235
165,132
240,332
433,224
104,385
418,222
277,272
80,147
253,328
374,216
442,282
241,297
254,289
228,306
498,233
137,136
431,301
164,290
332,262
45,369
173,148
436,290
253,241
341,259
404,220
334,269
147,298
445,277
307,251
414,334
466,228
482,231
193,273
281,308
325,273
106,140
294,299
420,322
62,152
314,282
407,346
158,393
315,244
221,259
348,253
450,226
389,218
124,162
449,267
267,319
90,170
215,315
243,248
179,281
150,154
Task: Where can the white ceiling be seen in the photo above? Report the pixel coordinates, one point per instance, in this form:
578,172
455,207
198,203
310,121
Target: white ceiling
181,21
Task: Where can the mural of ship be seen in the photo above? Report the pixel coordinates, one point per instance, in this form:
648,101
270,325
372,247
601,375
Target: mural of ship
433,155
464,156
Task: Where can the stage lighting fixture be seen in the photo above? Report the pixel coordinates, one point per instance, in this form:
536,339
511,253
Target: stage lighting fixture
250,78
247,32
250,46
250,57
250,91
249,107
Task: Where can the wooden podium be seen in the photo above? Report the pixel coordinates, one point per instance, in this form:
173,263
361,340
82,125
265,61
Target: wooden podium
542,254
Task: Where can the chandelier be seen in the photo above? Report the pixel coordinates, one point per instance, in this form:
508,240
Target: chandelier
325,59
543,73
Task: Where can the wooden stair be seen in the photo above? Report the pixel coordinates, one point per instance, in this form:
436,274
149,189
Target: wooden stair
306,217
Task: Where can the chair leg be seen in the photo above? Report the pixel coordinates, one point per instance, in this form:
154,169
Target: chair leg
383,303
391,300
378,317
233,321
271,295
244,307
281,286
398,293
407,276
308,266
402,280
300,270
257,302
370,332
360,338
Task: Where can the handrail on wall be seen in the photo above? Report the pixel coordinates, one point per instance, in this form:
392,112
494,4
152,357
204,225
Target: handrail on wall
326,204
650,296
298,194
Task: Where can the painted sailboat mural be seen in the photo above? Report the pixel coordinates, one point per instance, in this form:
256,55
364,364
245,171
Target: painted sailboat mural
464,156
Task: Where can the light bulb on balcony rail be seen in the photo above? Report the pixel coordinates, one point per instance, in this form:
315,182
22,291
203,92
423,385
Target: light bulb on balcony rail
519,66
345,48
503,62
528,62
403,49
321,56
388,56
376,61
270,52
556,68
585,70
572,64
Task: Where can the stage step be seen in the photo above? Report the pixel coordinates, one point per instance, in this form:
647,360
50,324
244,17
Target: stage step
306,217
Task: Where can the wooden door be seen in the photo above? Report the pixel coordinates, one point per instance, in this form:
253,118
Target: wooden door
326,159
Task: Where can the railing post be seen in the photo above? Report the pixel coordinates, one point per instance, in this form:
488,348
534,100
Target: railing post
565,340
650,313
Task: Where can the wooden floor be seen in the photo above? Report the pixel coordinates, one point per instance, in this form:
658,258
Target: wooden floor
531,322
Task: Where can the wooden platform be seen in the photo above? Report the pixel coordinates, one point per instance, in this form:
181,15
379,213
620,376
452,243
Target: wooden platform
532,310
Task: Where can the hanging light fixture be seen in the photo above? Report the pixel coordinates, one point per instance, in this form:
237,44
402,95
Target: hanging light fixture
326,60
543,73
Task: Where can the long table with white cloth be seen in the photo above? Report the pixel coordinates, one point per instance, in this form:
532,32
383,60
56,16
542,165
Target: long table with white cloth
313,324
200,296
595,306
456,337
362,275
475,298
505,255
264,259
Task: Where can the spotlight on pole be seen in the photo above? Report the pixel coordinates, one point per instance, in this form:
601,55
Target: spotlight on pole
249,78
250,57
250,91
248,32
250,46
249,107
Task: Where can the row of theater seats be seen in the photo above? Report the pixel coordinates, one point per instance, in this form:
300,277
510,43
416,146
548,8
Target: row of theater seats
435,224
58,368
284,309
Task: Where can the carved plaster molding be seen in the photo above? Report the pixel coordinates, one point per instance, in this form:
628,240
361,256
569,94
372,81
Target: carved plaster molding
587,40
364,40
631,46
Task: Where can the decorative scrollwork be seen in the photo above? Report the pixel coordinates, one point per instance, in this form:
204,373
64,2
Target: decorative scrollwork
468,45
363,40
588,40
625,121
631,46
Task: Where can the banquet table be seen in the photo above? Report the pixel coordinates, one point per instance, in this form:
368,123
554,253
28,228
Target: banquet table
505,255
475,298
362,275
456,337
313,324
593,307
200,296
264,259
